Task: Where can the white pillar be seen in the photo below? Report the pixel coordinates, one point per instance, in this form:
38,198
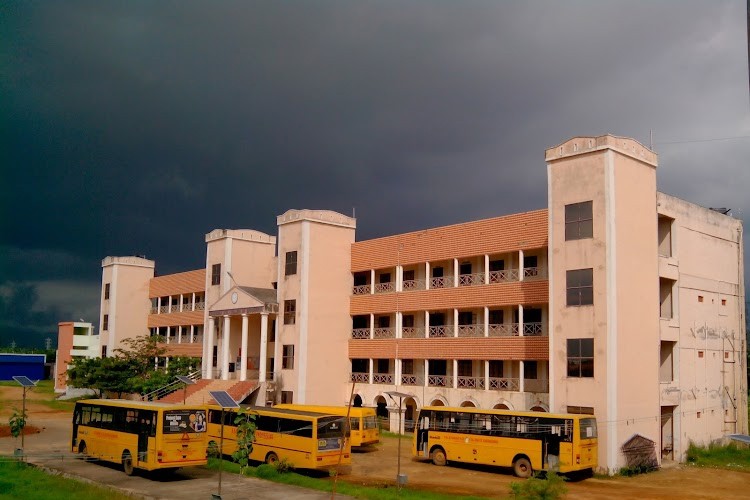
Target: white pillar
277,349
372,280
192,333
169,330
455,322
208,353
180,303
158,305
243,349
399,278
486,269
192,303
520,320
455,374
372,326
179,334
520,265
486,321
399,324
397,369
225,349
486,375
426,275
426,324
426,373
520,379
263,346
372,365
455,272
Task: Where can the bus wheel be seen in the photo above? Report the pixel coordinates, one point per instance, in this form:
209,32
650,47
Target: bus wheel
213,449
438,457
522,467
127,463
272,458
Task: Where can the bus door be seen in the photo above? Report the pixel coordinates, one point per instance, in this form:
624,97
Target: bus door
145,423
422,434
76,422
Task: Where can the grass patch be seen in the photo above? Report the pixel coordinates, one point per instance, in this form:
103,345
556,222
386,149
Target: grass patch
42,394
729,456
382,492
19,481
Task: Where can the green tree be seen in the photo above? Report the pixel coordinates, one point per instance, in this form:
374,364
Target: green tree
245,421
17,422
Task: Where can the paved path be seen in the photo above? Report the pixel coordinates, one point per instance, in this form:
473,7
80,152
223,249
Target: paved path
51,447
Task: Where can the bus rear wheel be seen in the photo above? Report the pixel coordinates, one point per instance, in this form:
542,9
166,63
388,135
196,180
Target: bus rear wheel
272,458
522,467
127,463
438,457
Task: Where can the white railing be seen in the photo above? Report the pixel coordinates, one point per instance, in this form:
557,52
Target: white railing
408,285
163,309
536,385
471,330
169,388
412,332
470,382
385,287
154,310
471,279
197,339
531,273
361,333
174,308
533,329
362,378
411,380
444,282
503,330
437,380
504,275
504,384
382,378
200,306
441,331
360,289
383,333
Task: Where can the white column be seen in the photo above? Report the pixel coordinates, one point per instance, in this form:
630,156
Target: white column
225,349
399,324
243,349
426,275
520,380
520,265
180,303
192,303
397,370
263,346
455,374
426,373
372,366
372,326
277,349
486,375
169,330
192,333
372,280
399,278
520,320
208,354
486,321
426,324
486,269
158,305
179,334
455,272
455,322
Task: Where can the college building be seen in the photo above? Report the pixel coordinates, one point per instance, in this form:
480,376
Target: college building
616,300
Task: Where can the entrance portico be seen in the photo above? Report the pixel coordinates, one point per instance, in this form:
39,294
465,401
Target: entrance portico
235,346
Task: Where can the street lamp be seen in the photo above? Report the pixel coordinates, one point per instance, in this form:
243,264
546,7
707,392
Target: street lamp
400,478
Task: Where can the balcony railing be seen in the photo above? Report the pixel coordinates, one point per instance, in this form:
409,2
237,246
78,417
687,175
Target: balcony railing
504,276
199,306
360,289
412,332
437,380
441,331
471,279
443,282
536,385
471,330
504,384
408,285
531,273
533,329
385,287
383,333
503,330
361,333
407,379
362,378
382,378
470,382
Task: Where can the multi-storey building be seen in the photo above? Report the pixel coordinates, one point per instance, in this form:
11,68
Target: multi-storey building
616,300
75,340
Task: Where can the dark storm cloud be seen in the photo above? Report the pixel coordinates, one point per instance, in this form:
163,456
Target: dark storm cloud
135,128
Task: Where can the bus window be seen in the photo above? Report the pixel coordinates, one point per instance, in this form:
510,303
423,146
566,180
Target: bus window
588,428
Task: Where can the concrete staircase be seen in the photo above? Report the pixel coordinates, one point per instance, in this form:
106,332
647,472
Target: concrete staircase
198,394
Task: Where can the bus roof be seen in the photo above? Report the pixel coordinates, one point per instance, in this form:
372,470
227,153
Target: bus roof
142,405
333,410
537,414
278,411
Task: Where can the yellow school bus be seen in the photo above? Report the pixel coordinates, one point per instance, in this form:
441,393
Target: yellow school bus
305,439
363,422
140,435
525,441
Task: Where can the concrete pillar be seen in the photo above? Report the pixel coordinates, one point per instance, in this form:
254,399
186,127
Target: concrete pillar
372,326
520,375
243,349
520,320
225,349
179,334
455,322
486,321
399,324
277,350
372,367
397,371
169,331
455,272
263,346
487,375
192,302
455,374
520,265
426,374
486,269
426,275
399,278
181,302
208,352
372,280
426,324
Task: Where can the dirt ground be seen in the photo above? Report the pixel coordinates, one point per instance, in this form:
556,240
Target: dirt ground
378,466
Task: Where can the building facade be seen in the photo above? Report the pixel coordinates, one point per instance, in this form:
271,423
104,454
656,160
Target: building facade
616,300
75,339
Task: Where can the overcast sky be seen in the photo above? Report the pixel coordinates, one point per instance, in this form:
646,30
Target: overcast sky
137,127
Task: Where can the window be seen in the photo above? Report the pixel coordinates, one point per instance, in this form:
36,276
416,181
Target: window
579,221
287,397
464,368
290,312
384,321
407,366
382,366
216,274
496,369
700,354
437,272
408,321
497,317
106,291
465,268
723,302
580,357
105,322
580,287
287,360
581,410
465,318
384,278
497,265
291,263
530,370
409,275
272,331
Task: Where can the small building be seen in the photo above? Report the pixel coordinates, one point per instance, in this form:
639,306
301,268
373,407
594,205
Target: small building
74,340
29,365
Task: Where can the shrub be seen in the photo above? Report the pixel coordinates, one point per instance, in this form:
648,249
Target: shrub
634,470
266,471
551,487
17,422
283,466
